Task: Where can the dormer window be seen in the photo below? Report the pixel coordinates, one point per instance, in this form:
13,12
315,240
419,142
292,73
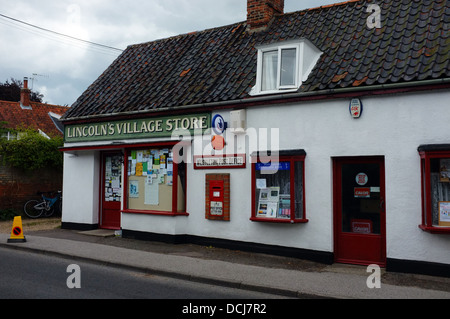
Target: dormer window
283,67
279,69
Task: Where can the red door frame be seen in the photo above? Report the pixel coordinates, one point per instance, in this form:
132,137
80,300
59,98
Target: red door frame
104,204
360,241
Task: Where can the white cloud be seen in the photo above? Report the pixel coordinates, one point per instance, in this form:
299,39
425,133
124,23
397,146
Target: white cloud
72,66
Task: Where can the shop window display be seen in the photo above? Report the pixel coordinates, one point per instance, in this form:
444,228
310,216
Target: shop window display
155,184
278,188
435,165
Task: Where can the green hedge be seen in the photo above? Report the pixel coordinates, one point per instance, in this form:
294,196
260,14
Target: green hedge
32,151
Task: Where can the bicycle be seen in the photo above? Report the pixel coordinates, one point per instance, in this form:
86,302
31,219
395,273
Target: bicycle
44,207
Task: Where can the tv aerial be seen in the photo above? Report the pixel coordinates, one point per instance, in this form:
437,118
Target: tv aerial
37,75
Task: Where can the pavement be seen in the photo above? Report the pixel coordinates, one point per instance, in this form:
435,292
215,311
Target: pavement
284,276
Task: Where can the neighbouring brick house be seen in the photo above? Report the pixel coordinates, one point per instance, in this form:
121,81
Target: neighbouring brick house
353,98
16,185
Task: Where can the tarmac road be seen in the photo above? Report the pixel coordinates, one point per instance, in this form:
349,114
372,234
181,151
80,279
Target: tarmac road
288,276
26,275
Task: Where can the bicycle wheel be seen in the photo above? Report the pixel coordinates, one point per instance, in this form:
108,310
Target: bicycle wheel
49,212
33,208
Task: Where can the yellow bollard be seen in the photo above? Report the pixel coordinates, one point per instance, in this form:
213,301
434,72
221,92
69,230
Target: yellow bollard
17,231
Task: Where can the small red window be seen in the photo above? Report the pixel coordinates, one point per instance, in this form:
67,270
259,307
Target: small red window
435,166
278,187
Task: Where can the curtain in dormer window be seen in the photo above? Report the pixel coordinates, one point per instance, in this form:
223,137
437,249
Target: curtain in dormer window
269,72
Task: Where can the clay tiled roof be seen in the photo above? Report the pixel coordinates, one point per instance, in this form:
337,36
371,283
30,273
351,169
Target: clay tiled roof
36,118
219,64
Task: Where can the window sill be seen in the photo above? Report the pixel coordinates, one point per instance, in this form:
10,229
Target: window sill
154,212
279,220
435,229
255,92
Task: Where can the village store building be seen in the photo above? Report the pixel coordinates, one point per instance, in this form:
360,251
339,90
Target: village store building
321,134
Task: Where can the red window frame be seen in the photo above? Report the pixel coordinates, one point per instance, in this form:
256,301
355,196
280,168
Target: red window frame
284,156
428,153
175,185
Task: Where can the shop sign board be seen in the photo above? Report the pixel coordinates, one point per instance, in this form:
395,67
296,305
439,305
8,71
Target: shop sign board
281,166
219,161
137,128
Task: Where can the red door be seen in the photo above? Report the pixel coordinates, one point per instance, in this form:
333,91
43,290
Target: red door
359,211
111,190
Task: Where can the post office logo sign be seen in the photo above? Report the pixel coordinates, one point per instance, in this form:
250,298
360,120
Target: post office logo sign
362,179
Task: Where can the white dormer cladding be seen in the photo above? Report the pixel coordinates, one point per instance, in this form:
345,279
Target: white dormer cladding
284,66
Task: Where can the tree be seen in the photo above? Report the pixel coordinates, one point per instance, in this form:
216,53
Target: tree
10,91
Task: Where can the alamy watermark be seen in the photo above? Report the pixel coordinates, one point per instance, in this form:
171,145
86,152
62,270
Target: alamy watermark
74,15
74,279
264,142
374,20
374,280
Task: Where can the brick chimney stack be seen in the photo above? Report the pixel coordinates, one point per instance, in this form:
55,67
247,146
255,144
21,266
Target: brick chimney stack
261,12
25,94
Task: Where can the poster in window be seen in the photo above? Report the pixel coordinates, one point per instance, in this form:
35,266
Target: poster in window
139,169
262,209
274,195
272,209
285,206
134,189
268,202
444,170
261,183
264,194
151,193
444,213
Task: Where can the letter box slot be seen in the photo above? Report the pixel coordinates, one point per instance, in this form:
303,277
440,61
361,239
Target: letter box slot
216,198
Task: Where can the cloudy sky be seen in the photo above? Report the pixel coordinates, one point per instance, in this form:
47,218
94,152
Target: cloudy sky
61,68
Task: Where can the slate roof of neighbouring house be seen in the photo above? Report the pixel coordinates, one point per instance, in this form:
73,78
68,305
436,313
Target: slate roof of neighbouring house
37,117
220,64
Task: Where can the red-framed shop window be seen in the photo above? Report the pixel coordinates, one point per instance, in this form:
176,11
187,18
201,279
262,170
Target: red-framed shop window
155,180
278,187
435,171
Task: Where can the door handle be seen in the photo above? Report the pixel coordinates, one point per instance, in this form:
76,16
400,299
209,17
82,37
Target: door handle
381,203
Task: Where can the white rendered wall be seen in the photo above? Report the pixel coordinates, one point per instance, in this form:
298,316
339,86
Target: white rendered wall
81,188
392,126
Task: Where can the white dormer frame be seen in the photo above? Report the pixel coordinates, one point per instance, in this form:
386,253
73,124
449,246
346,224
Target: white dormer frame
307,56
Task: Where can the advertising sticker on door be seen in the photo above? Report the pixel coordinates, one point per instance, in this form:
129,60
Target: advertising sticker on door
362,192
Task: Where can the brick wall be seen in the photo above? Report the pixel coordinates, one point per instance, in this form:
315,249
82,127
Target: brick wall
17,186
226,205
261,12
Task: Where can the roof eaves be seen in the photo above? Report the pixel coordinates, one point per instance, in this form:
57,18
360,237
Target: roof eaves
441,82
